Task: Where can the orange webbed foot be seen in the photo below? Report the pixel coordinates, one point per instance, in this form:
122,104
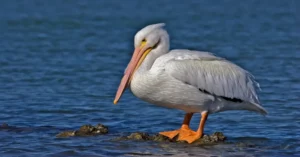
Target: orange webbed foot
190,137
182,132
170,134
185,133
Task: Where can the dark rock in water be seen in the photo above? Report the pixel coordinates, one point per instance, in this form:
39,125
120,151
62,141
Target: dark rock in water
161,138
89,130
85,130
143,137
4,125
66,134
211,139
139,136
206,139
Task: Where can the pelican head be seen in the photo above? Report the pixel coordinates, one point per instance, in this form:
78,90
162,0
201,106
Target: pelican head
152,38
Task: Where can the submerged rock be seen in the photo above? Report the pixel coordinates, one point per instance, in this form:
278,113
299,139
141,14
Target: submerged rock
85,130
89,130
66,134
206,139
211,139
144,137
6,127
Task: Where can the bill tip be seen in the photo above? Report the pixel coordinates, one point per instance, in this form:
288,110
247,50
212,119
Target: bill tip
115,102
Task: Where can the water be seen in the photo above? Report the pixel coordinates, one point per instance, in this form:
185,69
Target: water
61,62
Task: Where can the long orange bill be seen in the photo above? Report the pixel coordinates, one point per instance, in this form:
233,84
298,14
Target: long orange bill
137,54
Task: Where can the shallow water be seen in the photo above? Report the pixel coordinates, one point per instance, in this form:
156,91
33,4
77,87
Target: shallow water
61,62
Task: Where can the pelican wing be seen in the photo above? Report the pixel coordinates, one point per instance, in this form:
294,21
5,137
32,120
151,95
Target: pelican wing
210,74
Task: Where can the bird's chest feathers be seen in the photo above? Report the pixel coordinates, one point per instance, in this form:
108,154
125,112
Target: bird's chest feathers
142,86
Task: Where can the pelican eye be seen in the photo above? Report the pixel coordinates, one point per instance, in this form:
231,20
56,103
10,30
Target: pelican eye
153,47
143,42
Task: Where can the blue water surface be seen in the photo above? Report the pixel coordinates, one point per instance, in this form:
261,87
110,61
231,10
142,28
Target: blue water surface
61,62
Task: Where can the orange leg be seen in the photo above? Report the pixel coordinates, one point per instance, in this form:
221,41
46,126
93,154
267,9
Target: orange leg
184,127
192,136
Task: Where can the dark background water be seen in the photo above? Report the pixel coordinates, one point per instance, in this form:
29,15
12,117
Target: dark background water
61,62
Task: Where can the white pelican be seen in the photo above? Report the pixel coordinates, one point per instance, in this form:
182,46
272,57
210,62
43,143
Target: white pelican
193,81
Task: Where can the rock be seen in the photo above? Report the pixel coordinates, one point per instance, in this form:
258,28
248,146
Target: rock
161,138
85,130
206,139
66,134
139,136
211,139
4,125
133,136
89,130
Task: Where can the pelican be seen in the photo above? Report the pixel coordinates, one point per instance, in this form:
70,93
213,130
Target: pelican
192,81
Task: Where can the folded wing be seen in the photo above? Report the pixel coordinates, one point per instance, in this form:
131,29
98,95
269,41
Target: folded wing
211,74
